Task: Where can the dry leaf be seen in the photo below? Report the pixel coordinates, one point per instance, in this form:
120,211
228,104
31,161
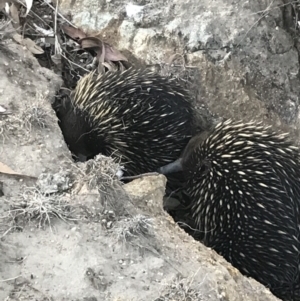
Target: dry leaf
113,54
101,55
121,67
2,110
6,169
28,43
18,38
91,43
108,66
74,33
32,47
14,13
45,32
101,69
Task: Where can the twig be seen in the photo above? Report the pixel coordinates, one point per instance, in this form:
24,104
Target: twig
147,174
74,63
264,14
59,13
6,232
9,279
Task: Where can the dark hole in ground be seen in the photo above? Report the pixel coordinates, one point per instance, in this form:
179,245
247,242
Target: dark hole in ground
1,189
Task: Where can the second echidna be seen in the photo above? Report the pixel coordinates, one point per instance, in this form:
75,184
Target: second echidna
244,184
135,115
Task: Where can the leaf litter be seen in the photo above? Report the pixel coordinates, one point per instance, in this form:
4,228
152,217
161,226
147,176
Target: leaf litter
57,43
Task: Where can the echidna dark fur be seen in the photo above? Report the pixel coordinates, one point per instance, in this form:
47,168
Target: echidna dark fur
135,115
244,182
75,128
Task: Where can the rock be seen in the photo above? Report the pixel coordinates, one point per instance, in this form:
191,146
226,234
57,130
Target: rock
147,192
245,53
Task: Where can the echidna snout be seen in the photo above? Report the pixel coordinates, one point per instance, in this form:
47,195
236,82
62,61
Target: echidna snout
177,165
173,167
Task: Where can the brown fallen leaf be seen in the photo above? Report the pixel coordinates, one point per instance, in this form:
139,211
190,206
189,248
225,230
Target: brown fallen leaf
113,54
74,33
100,59
100,68
91,43
18,38
4,111
28,43
101,54
109,66
6,170
32,47
121,67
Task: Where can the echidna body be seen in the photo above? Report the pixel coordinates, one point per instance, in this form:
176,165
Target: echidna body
75,128
135,115
244,182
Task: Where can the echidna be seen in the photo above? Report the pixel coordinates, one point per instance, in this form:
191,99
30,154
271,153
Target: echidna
244,182
135,115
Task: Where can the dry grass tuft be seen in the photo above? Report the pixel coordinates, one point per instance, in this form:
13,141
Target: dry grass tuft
34,115
182,289
37,115
99,173
134,227
10,125
33,204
